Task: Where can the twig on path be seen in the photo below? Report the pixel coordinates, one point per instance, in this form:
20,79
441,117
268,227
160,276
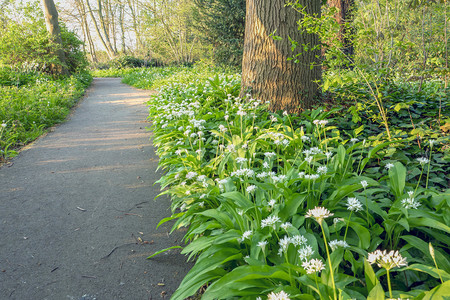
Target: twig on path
88,276
130,214
135,206
115,248
54,269
82,209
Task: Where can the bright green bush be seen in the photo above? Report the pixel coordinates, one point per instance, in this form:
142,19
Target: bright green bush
28,109
25,45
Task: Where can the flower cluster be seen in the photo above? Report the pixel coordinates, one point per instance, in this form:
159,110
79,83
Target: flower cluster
410,202
354,204
318,213
334,244
313,266
278,296
387,260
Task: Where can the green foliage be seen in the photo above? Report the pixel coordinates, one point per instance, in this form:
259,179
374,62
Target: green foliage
415,117
222,24
25,44
403,38
155,77
31,103
172,39
127,61
246,183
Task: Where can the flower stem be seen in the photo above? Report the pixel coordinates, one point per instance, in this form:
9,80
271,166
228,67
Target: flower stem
317,285
348,223
418,182
329,261
389,283
367,208
428,171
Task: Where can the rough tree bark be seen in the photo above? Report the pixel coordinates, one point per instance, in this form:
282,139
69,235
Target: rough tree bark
51,22
267,74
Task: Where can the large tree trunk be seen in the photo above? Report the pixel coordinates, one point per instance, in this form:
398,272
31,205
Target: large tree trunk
344,16
267,74
51,22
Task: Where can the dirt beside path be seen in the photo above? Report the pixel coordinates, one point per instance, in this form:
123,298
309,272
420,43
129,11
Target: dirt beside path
77,215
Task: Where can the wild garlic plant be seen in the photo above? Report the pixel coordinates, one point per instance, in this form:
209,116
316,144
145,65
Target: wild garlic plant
289,205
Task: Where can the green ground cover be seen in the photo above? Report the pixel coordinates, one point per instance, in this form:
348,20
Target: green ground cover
319,206
31,102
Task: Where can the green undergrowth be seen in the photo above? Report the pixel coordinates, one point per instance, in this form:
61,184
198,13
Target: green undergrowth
156,77
31,102
113,72
323,205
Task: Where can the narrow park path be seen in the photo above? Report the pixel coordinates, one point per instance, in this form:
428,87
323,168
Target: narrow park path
77,210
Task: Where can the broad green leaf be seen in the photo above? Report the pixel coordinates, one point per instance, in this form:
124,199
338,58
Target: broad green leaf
427,222
397,177
430,271
223,218
164,250
340,193
223,288
173,217
363,234
291,206
369,274
442,291
419,244
207,268
239,199
377,293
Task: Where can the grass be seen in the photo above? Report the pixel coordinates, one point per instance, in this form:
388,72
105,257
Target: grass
30,103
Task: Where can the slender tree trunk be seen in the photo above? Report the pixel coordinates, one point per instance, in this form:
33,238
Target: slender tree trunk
112,28
122,29
51,22
81,9
135,25
266,72
108,48
344,16
104,25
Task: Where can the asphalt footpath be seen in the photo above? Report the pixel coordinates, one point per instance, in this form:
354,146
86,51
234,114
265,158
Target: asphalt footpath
77,211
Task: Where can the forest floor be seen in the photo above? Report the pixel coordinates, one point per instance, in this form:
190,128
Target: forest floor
77,211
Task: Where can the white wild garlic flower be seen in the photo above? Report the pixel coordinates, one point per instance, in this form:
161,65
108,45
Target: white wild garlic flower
334,244
313,266
278,296
387,260
318,213
354,204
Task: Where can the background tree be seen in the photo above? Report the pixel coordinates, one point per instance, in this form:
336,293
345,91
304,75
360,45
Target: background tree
101,27
266,71
343,17
171,36
25,43
221,23
52,24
